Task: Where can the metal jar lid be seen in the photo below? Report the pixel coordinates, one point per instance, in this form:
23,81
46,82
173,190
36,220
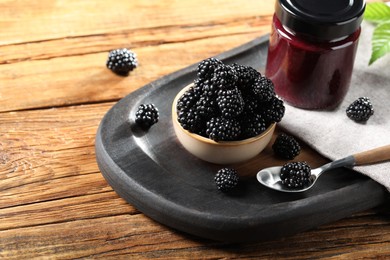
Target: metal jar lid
321,19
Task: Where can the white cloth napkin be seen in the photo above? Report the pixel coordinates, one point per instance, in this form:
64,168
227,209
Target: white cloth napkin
333,134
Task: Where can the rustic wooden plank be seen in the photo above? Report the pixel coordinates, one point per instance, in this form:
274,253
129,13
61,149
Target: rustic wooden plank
43,149
162,45
133,39
135,236
49,84
46,189
68,209
44,20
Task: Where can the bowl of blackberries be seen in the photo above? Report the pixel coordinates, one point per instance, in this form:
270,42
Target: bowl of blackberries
227,114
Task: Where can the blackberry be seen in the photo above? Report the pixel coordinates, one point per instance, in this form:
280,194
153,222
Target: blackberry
295,174
122,61
360,110
192,121
263,89
225,77
274,110
246,75
146,115
251,105
222,129
207,67
252,125
189,98
226,179
286,147
230,102
208,89
207,106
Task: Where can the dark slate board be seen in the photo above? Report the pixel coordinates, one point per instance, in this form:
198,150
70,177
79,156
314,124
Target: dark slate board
153,172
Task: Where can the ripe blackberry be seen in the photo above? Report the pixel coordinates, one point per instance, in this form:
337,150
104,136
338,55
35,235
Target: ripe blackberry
122,61
226,179
146,115
224,77
189,98
251,105
222,129
263,89
360,110
286,147
295,174
274,110
207,106
209,89
207,67
230,102
192,121
252,125
246,75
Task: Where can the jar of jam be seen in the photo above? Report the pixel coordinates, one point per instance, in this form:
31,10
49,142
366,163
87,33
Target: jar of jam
312,50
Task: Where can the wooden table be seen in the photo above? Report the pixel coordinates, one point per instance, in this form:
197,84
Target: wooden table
55,89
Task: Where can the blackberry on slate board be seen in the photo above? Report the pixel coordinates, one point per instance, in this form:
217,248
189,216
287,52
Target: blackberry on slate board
146,115
226,179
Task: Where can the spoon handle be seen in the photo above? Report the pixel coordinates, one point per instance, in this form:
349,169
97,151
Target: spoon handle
379,154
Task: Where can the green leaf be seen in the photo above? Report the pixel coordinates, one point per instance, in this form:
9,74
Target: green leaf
380,41
377,12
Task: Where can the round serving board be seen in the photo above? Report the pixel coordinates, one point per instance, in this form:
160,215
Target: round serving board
154,173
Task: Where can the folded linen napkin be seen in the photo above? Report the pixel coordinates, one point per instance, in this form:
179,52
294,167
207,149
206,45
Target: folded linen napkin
333,134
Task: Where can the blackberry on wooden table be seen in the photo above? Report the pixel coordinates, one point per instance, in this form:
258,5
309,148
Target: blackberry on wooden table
286,146
122,61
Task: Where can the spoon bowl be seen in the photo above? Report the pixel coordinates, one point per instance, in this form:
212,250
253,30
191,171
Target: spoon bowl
270,177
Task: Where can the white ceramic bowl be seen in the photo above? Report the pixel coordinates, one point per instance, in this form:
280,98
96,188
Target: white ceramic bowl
226,152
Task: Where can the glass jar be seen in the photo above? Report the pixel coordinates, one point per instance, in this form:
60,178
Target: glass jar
312,50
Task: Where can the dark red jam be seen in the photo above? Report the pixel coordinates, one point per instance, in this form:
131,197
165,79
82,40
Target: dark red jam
310,62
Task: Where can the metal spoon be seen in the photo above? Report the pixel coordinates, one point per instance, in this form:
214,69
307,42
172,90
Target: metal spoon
270,177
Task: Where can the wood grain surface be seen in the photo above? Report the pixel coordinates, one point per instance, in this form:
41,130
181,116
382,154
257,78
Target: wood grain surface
54,91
